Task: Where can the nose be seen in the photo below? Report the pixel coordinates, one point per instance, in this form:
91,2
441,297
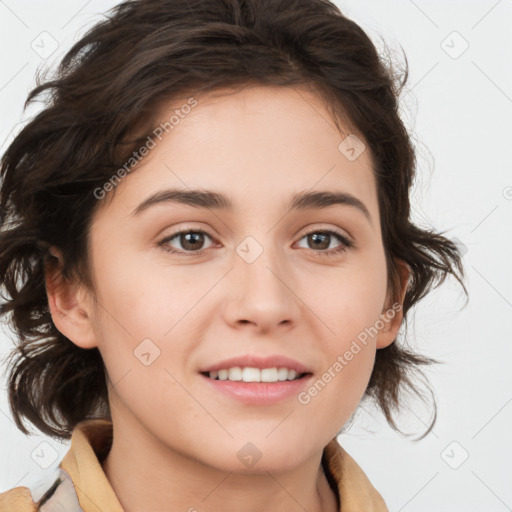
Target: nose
261,290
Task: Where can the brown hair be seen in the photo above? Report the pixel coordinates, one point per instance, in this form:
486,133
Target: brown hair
112,81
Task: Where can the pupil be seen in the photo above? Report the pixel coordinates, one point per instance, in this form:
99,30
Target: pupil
195,238
322,237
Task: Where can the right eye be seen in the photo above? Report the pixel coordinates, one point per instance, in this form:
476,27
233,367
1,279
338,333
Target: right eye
191,241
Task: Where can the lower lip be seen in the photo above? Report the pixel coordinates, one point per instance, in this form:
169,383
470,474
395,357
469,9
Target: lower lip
260,393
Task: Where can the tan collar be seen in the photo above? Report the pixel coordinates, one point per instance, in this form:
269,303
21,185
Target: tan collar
91,441
356,492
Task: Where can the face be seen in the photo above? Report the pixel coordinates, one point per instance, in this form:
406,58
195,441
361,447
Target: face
262,278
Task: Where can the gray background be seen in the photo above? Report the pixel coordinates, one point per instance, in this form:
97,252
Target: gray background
458,107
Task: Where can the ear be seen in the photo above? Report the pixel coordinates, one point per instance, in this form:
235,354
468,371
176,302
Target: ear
392,314
70,304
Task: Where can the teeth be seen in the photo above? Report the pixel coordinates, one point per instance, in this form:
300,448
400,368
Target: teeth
269,375
235,373
282,373
249,374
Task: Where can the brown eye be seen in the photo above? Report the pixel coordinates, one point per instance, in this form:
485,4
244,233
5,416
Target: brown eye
320,241
193,241
187,240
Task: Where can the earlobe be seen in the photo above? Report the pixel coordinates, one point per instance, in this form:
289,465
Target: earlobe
392,315
68,304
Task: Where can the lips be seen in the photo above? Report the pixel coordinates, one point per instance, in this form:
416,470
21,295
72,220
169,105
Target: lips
273,361
257,393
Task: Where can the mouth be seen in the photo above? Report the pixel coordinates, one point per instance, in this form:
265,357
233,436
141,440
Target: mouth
256,376
257,392
257,380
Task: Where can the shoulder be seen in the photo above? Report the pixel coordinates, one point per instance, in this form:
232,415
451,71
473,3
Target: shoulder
18,499
79,472
54,492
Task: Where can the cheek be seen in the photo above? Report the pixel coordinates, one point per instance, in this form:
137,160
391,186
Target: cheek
334,396
141,323
144,299
353,297
349,359
139,315
349,305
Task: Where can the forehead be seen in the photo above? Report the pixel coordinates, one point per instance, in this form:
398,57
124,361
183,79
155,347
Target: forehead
258,144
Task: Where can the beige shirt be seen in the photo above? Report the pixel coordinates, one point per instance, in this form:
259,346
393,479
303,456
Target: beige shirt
82,485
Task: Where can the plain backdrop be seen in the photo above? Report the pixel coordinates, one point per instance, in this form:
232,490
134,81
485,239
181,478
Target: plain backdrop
458,106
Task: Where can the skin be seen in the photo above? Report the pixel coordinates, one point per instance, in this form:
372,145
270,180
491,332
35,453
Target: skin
175,438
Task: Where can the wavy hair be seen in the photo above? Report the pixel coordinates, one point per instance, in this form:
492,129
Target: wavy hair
106,92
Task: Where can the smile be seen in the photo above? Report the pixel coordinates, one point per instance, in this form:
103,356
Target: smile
250,374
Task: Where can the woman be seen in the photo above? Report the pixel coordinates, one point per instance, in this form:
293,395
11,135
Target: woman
207,255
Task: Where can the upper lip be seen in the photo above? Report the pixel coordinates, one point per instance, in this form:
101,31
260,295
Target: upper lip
273,361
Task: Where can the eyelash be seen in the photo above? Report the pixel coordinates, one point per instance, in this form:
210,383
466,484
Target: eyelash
346,244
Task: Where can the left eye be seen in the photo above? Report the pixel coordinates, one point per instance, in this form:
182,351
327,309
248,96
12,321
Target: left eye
193,241
322,240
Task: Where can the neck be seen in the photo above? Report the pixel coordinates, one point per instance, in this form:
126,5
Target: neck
150,476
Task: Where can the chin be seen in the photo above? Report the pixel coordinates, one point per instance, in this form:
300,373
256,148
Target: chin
249,456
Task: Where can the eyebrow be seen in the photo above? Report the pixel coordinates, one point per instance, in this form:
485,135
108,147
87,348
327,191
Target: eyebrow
214,200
